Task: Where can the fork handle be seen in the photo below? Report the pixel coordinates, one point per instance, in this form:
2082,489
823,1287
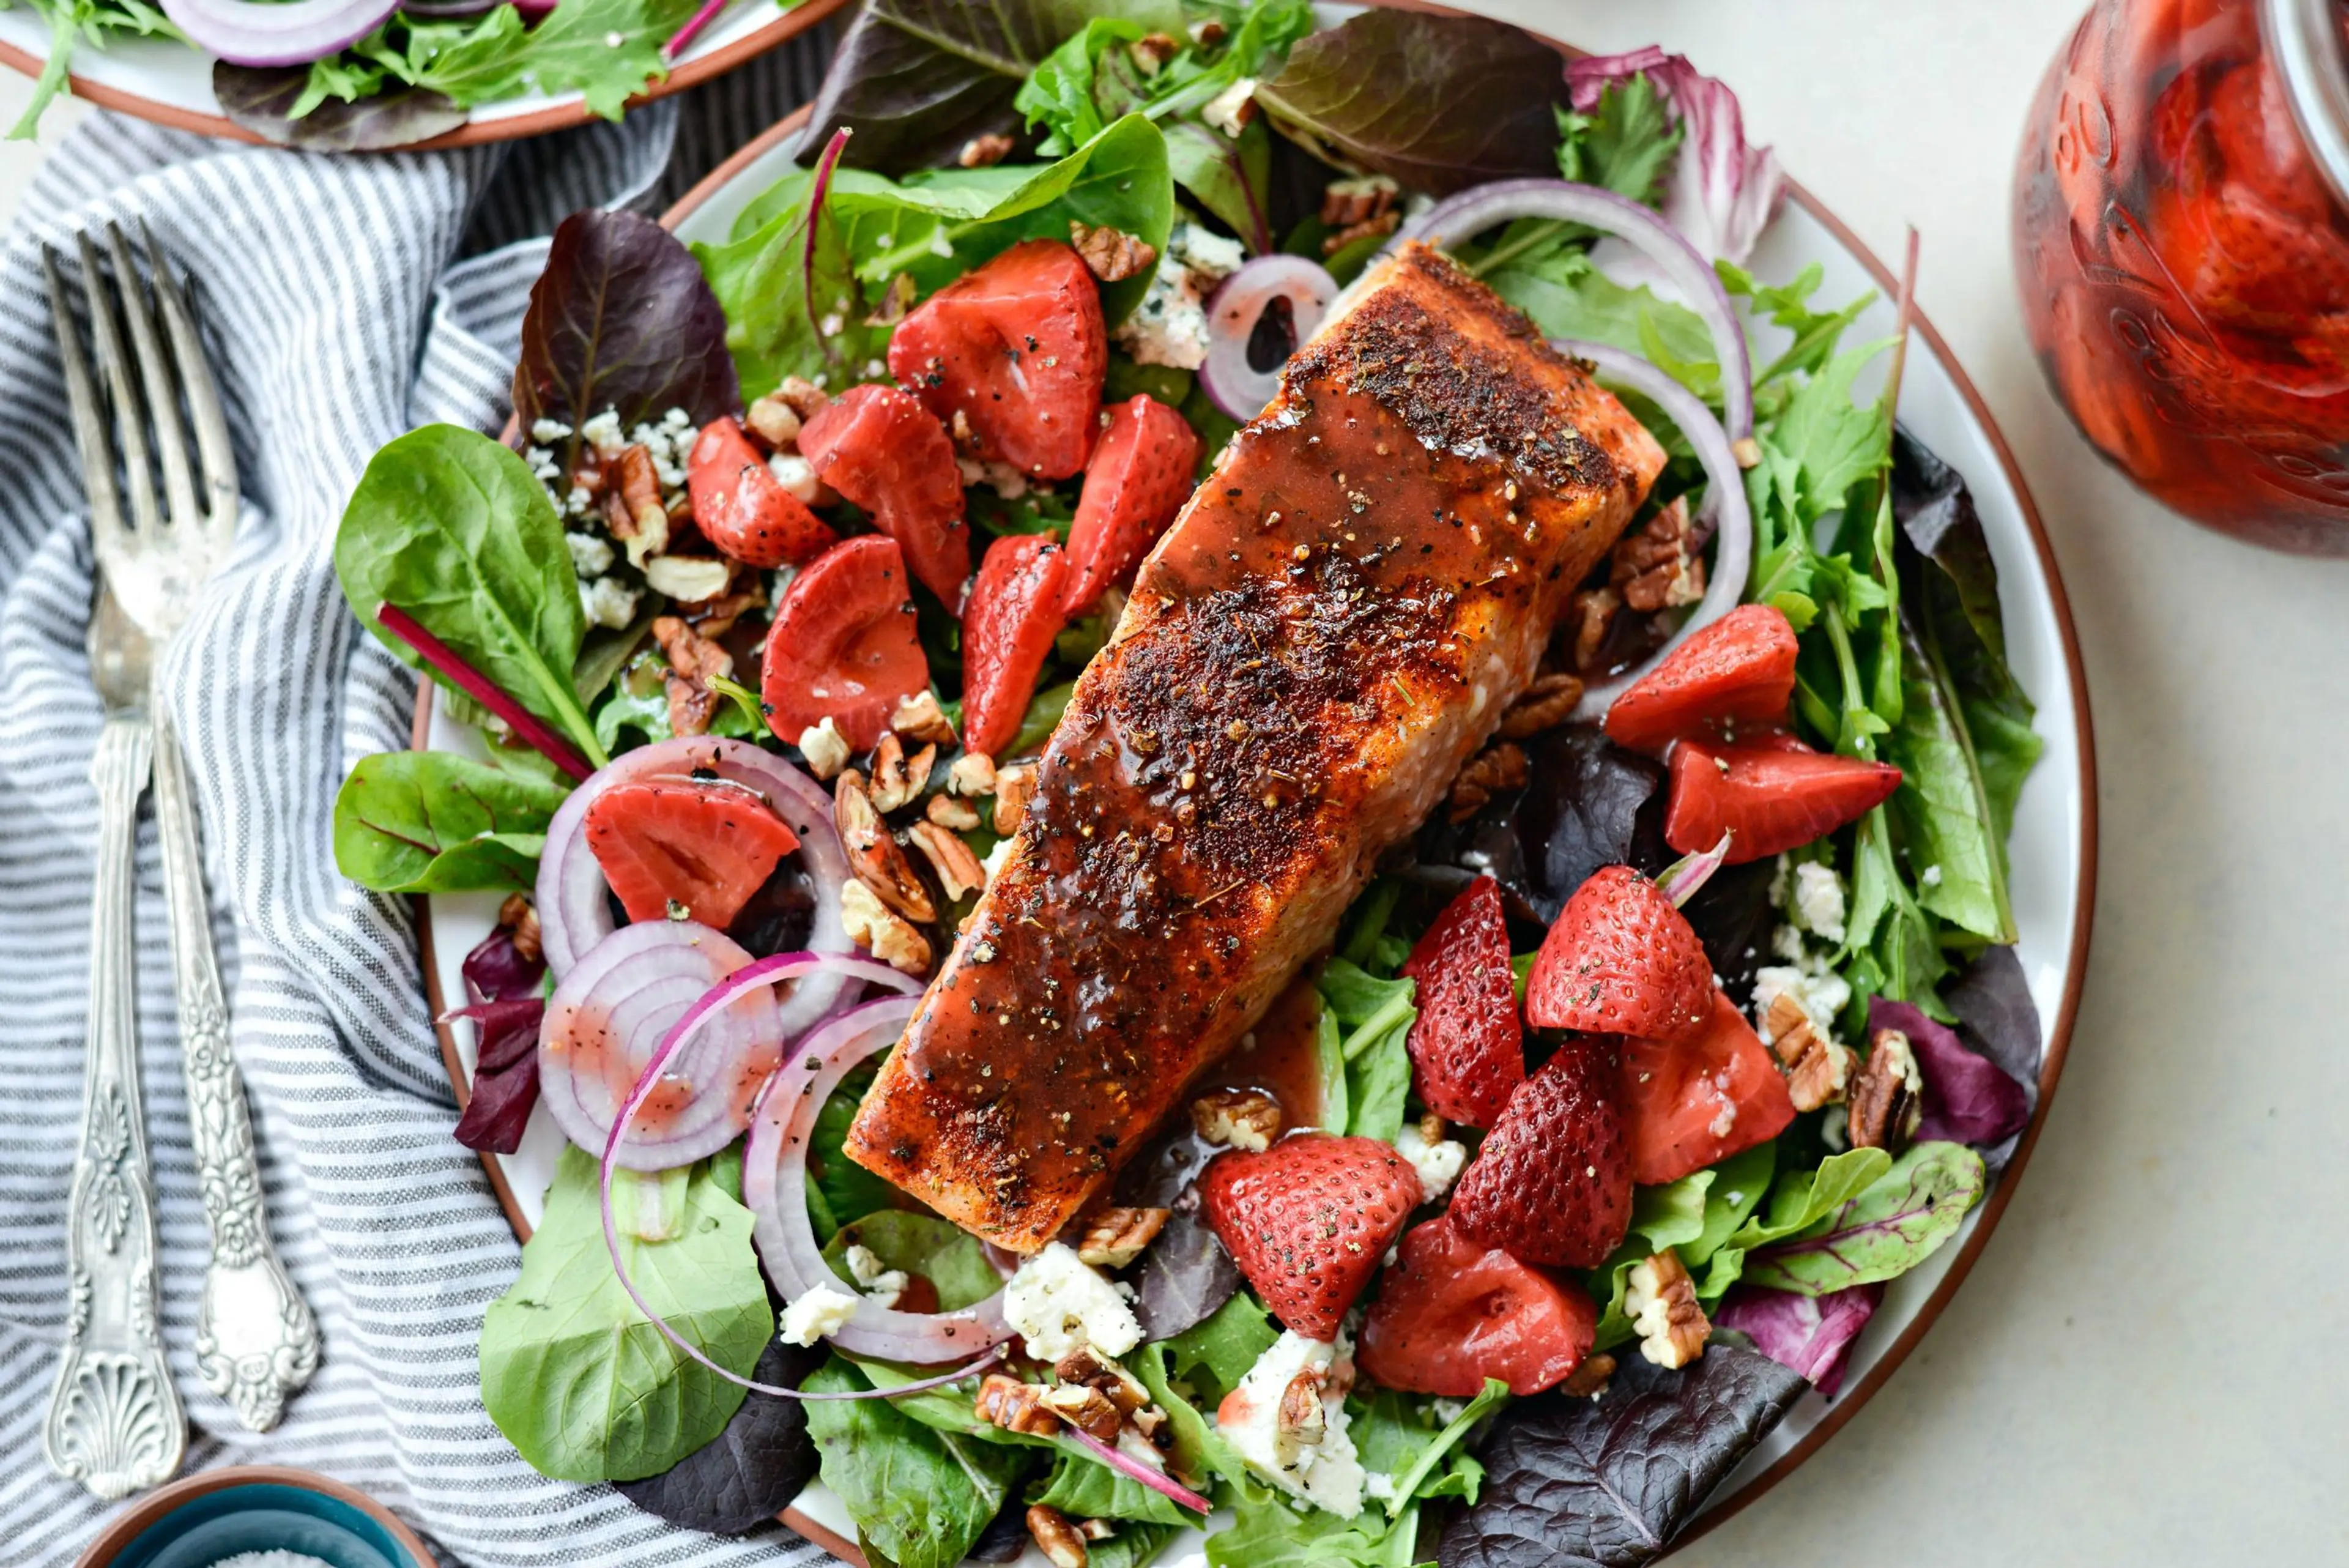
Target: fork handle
114,1421
257,1342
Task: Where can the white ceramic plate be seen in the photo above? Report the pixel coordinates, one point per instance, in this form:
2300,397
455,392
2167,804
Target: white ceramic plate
166,81
2053,849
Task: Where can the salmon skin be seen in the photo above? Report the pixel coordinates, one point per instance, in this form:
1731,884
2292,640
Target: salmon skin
1333,625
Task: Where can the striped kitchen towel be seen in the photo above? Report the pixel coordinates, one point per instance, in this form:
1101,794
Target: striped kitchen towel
350,298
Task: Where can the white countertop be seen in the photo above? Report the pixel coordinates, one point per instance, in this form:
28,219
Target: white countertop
2145,1366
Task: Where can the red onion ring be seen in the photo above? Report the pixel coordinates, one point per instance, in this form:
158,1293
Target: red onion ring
573,911
732,990
611,1014
1680,880
774,1185
1233,310
246,33
1164,1485
1482,207
1725,500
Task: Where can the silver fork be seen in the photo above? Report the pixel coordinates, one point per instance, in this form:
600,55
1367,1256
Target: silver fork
256,1341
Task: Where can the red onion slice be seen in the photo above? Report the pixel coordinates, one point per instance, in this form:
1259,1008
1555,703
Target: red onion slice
1233,310
1483,207
573,910
774,1185
246,33
1680,880
1156,1480
1725,501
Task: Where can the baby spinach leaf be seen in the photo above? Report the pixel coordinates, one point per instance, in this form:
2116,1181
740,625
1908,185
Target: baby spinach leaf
578,1378
622,318
919,1496
943,1254
1397,1435
1900,1220
1801,1198
1439,103
751,1471
1185,1278
1267,1532
1083,1488
431,822
454,529
1223,1348
1608,1482
1134,1544
1739,1185
1373,1017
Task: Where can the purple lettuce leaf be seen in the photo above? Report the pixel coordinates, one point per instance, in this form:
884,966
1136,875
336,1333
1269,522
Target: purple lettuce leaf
260,99
1720,192
506,1015
496,968
499,1111
1969,1098
1809,1334
1186,1277
749,1472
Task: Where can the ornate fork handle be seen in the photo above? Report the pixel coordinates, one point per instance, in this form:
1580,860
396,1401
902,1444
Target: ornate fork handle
257,1342
114,1420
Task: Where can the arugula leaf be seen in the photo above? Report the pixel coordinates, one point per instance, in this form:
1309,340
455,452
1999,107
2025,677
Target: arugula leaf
1223,1348
454,529
1553,282
940,1251
1815,334
578,1378
1897,1221
430,822
69,21
1083,1488
1374,1018
569,49
919,1496
1624,144
1397,1436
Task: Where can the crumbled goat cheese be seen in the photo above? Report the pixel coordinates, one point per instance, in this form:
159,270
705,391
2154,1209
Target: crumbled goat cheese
1008,483
546,432
825,749
822,1311
1228,110
1438,1163
1816,989
1818,904
607,602
1317,1465
1835,1128
882,1284
1058,1302
1378,1486
796,474
591,554
1448,1410
603,433
1170,325
1930,878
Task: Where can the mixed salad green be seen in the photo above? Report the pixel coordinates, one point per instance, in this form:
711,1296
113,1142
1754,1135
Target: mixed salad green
1210,136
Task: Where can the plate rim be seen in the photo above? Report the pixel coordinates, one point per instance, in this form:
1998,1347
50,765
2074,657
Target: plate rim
561,116
2059,1036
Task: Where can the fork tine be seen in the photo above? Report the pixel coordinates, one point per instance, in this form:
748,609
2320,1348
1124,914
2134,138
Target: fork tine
213,444
106,528
162,385
129,418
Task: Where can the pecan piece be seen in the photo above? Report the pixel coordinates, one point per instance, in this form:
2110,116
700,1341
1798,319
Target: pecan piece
1385,223
1593,610
1013,786
960,872
1115,1237
1589,1379
973,773
871,926
1111,255
1087,1367
825,748
1016,1407
774,421
874,854
919,718
1887,1096
693,658
985,151
1301,1418
1240,1118
1152,51
1055,1537
1345,203
803,397
949,812
639,493
518,917
1818,1069
1658,567
1086,1408
896,779
1660,1300
1498,767
1544,705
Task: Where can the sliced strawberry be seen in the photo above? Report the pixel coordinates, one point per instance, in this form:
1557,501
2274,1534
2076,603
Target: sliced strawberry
1619,960
1552,1183
1768,798
707,848
1308,1221
842,646
1006,631
741,507
882,450
1467,1047
1697,1102
1019,348
1740,669
1452,1312
1139,477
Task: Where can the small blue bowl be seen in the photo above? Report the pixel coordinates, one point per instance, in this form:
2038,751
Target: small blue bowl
216,1514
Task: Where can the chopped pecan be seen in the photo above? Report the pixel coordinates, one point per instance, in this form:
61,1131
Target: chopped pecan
1086,1408
1152,51
639,487
1589,1379
1241,1119
1097,1528
518,917
716,617
1593,610
693,658
1300,1418
1888,1095
1111,255
896,779
874,854
1055,1537
973,773
919,718
689,579
1115,1237
1013,786
803,397
1818,1068
1016,1407
985,151
1208,32
775,420
1345,203
871,926
1087,1367
1498,767
1385,223
1544,705
1658,567
643,536
960,871
949,812
1660,1300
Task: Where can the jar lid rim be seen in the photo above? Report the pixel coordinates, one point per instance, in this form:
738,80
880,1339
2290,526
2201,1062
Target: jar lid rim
2308,42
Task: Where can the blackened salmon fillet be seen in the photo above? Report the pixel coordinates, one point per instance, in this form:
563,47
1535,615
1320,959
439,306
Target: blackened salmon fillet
1333,625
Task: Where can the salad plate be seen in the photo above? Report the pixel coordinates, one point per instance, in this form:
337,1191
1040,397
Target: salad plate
2048,886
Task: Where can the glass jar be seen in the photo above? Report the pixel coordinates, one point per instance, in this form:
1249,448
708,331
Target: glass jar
2182,241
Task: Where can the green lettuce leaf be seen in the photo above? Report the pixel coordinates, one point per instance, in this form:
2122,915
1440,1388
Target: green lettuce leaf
1887,1227
430,822
1213,1356
940,1251
1083,1488
1397,1435
919,1496
1624,144
1373,1018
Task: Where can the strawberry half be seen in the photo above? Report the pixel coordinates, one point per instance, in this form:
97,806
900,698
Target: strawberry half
1008,629
1452,1312
882,450
1553,1182
1135,481
1739,669
1467,1048
1769,797
1693,1103
705,847
1621,960
1308,1221
742,508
